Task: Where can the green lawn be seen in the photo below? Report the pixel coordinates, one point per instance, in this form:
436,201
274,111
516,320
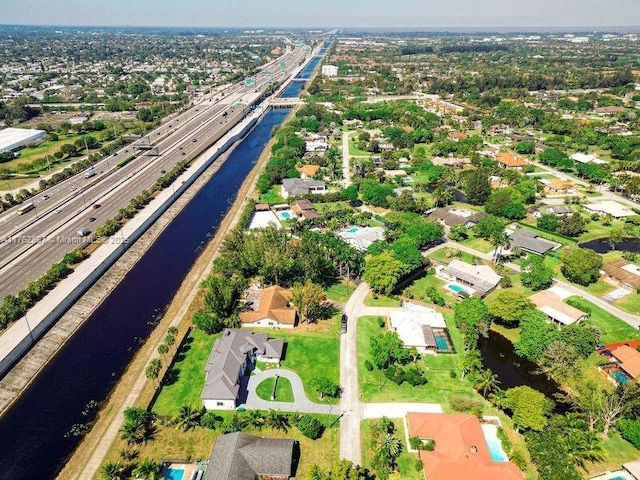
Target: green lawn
419,287
273,196
613,329
406,461
284,392
331,206
595,230
441,256
313,352
185,381
479,244
353,146
618,451
381,301
630,303
600,288
340,292
374,387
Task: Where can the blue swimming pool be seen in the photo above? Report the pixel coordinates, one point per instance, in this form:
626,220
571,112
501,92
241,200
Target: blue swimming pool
620,378
441,342
455,288
494,443
285,215
353,230
407,179
173,474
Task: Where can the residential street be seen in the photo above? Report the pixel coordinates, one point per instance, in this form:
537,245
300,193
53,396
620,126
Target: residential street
346,167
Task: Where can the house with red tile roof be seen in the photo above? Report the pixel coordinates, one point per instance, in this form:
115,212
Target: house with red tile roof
461,451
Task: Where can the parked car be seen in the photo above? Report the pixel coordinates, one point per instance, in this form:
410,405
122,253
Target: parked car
343,324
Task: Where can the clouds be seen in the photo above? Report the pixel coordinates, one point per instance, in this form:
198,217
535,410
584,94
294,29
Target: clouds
326,13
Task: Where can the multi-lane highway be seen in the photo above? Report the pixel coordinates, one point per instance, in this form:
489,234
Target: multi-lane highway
30,243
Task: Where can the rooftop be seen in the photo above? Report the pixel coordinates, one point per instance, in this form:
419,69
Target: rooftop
12,138
551,305
273,303
530,241
629,359
479,277
624,272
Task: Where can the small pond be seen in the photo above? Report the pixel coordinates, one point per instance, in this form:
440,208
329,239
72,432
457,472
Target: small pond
602,245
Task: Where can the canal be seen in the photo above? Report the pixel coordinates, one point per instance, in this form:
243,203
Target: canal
294,89
36,434
512,371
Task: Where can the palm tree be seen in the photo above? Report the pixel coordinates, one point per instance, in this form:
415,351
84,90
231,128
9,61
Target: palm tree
188,418
277,420
148,469
443,196
256,419
112,471
485,382
498,240
137,432
389,447
163,349
583,446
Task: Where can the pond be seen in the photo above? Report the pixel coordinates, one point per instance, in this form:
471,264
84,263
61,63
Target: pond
602,245
499,356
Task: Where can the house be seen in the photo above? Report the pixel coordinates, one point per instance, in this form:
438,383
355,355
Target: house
557,210
395,173
271,309
549,303
608,110
229,360
481,278
361,238
557,186
308,171
461,450
239,456
452,162
457,136
304,209
302,186
609,207
628,359
623,273
530,242
509,160
329,71
456,216
417,326
584,158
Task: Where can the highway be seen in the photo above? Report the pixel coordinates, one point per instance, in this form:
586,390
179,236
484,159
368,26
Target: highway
30,243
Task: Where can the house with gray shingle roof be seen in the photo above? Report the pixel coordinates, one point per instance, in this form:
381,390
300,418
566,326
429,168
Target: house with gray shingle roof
238,456
228,361
530,242
302,186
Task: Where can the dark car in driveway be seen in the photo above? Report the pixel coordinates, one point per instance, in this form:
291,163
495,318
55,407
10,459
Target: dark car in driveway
343,324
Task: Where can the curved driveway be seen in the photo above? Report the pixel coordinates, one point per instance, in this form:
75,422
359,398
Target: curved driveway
300,404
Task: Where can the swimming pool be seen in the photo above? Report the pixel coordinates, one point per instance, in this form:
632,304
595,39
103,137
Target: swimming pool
285,215
441,342
173,474
407,179
493,442
353,230
620,378
455,288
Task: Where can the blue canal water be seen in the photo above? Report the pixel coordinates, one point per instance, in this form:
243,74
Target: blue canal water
34,433
294,89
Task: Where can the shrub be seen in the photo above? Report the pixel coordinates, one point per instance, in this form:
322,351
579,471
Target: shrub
506,282
453,374
630,431
310,427
368,365
418,444
210,420
460,403
414,376
382,323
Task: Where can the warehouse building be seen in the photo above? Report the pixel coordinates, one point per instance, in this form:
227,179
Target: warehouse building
14,138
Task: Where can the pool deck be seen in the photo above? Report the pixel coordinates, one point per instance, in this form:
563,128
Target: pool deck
187,467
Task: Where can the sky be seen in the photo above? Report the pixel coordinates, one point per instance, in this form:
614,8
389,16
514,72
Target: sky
323,13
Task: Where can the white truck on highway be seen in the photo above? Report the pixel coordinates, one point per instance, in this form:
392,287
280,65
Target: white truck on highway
89,173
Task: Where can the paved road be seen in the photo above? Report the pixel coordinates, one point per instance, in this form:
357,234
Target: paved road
350,405
398,410
346,165
301,402
629,318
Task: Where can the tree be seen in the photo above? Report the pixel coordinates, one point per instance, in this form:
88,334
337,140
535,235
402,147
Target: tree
221,295
310,427
509,306
344,470
526,147
485,382
617,403
163,349
148,469
548,222
387,349
255,419
477,186
616,235
188,418
536,333
138,426
382,272
473,318
307,298
325,387
530,408
208,322
112,471
581,266
506,202
581,336
572,225
535,274
559,360
376,194
490,226
277,420
153,369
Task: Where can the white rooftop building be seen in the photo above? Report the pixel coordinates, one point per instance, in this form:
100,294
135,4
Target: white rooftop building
609,207
414,325
329,71
14,138
361,238
585,158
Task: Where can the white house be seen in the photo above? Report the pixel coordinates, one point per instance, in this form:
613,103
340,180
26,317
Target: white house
414,324
329,71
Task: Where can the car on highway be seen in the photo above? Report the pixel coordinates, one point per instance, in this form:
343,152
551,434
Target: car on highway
92,219
194,140
57,210
84,231
73,189
45,197
96,205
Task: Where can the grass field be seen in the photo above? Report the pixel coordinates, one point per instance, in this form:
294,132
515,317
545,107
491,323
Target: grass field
419,287
613,329
618,451
374,387
340,292
441,256
284,392
381,301
331,206
273,196
406,461
630,303
479,244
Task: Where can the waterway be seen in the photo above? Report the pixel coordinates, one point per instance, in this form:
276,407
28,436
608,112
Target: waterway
512,371
296,86
602,245
35,437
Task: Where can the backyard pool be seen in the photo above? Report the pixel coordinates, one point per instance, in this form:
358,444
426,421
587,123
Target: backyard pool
353,230
620,377
455,288
173,474
494,443
441,343
286,214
